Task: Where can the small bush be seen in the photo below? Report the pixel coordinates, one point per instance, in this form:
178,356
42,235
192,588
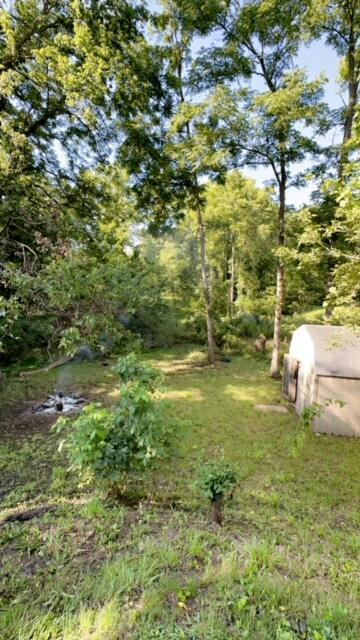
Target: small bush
217,481
247,328
230,332
112,444
232,343
130,369
195,327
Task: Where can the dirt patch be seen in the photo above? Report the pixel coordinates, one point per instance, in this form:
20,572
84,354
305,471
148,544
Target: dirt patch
21,422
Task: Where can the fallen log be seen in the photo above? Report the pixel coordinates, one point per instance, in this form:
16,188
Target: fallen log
57,363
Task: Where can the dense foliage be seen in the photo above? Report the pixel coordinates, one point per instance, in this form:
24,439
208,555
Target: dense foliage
125,218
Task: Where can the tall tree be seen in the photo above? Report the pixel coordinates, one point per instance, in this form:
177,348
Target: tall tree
261,40
57,102
58,93
173,154
339,22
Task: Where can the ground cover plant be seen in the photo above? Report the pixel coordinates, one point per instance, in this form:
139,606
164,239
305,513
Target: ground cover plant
284,564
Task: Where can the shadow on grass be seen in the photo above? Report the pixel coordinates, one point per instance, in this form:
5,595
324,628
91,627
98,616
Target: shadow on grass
299,508
221,420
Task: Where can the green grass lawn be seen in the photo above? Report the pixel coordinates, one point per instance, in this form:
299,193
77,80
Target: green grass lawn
284,565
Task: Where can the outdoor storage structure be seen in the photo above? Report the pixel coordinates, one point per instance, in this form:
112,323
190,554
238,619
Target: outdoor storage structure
323,364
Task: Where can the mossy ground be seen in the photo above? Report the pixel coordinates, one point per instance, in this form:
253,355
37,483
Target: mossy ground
284,566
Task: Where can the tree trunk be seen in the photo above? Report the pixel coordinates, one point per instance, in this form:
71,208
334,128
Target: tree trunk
352,90
280,278
280,289
232,278
206,287
204,270
353,87
58,363
217,510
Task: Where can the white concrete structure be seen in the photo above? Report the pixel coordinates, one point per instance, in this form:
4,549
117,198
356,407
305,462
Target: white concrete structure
328,368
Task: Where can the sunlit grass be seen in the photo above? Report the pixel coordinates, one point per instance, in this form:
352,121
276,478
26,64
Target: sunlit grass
283,567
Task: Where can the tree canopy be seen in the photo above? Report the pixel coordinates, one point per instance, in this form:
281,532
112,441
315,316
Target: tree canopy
125,213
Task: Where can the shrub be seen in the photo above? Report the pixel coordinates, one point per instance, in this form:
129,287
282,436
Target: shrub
114,444
194,327
232,343
217,481
130,369
158,326
229,332
247,328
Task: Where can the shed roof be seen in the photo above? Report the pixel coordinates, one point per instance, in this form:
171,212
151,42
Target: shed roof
327,349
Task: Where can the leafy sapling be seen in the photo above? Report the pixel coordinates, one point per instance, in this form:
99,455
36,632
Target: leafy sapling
130,370
117,444
306,421
217,481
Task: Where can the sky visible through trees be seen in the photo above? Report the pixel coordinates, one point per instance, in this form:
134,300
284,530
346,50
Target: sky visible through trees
122,123
317,58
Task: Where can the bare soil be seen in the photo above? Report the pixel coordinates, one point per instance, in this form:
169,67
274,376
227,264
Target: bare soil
21,422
